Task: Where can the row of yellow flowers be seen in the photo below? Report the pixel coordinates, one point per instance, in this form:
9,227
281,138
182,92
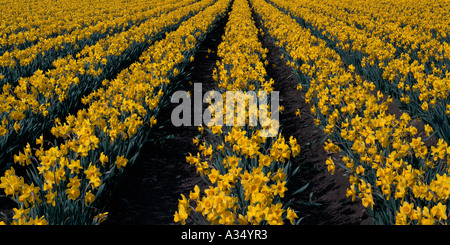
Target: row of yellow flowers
419,28
246,172
68,180
52,39
397,177
30,106
407,59
30,21
413,26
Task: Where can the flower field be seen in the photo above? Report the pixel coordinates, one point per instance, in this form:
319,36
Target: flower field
352,99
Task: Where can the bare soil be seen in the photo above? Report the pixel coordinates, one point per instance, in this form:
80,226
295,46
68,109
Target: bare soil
324,202
161,174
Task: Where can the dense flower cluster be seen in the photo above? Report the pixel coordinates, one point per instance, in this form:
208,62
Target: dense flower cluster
30,105
97,143
398,177
62,32
402,47
247,172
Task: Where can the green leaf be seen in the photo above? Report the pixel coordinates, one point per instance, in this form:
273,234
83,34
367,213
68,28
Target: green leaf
301,189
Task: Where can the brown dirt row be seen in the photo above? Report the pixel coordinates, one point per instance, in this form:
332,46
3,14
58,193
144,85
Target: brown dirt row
324,202
160,174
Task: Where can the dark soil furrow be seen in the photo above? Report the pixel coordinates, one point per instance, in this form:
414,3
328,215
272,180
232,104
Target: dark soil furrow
160,174
324,202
